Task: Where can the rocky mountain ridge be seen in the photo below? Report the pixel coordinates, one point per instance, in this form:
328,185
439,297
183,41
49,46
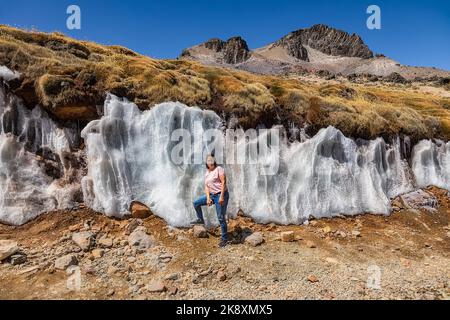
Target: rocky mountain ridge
310,50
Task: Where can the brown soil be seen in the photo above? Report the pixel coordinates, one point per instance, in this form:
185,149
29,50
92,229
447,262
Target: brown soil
327,260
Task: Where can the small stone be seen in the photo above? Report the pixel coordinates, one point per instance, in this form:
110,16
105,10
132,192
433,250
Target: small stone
356,233
331,260
156,286
200,231
105,242
287,236
310,244
111,270
221,276
110,293
98,253
7,249
235,270
74,228
132,225
255,239
173,290
18,259
326,229
139,210
173,276
85,239
140,239
66,261
313,279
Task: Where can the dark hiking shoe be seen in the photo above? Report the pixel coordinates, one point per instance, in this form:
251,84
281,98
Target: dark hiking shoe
198,222
223,243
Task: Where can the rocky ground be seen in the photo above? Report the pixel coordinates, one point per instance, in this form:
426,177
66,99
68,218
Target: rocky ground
84,255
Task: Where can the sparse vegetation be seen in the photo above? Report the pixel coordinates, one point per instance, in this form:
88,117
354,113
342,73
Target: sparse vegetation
70,78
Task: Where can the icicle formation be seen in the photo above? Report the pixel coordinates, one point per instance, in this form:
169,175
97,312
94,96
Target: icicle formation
431,164
25,189
129,159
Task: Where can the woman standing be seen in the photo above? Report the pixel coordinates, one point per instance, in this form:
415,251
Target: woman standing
216,193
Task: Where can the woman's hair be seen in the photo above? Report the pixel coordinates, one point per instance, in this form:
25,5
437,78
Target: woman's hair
215,163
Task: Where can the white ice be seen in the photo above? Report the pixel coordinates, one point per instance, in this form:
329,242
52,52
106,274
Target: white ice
129,158
25,189
8,75
431,164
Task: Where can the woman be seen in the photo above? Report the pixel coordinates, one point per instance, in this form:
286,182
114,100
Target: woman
216,193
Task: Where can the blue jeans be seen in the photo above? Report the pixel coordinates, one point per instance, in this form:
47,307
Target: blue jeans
220,210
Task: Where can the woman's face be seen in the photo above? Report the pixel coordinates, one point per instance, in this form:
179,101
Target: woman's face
210,162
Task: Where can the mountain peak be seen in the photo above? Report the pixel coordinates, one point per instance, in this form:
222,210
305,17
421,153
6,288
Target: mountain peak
233,51
325,39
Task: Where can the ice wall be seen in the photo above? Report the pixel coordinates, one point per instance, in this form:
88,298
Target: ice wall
431,164
26,189
129,158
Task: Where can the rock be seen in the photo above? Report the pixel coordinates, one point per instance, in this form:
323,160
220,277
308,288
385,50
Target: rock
18,259
235,51
287,236
98,253
140,239
419,199
173,276
331,260
356,233
325,39
66,261
85,239
139,210
310,244
313,279
221,276
173,290
326,229
7,249
105,242
395,78
132,225
255,239
156,286
200,231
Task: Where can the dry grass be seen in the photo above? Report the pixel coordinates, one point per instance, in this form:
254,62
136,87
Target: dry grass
69,78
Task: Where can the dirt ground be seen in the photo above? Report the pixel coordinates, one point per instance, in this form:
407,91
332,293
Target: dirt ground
403,256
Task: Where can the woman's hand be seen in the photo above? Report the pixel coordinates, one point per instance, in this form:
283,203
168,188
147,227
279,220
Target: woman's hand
221,201
209,202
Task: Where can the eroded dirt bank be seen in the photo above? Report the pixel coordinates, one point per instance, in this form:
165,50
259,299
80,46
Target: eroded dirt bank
328,259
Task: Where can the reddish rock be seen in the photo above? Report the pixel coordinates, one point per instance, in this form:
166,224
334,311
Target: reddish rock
139,210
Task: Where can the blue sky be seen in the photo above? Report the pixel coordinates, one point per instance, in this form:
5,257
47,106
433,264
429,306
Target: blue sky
413,32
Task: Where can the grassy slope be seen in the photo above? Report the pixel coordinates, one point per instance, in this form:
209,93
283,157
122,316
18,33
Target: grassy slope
69,77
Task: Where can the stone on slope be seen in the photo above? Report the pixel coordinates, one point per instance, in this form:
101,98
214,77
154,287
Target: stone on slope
85,240
200,231
7,249
140,239
255,239
139,210
156,286
287,236
66,261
